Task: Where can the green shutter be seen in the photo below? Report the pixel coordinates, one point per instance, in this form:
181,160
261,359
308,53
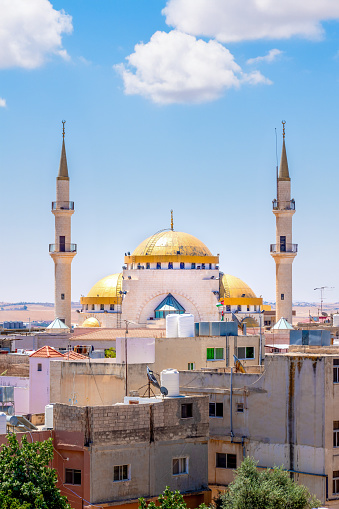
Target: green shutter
219,353
210,354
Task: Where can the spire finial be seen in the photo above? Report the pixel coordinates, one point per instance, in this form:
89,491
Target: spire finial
63,129
283,123
171,219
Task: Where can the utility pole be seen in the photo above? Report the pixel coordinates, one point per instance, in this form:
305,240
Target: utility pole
322,289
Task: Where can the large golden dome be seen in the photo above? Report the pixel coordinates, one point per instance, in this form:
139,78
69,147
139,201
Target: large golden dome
232,287
171,243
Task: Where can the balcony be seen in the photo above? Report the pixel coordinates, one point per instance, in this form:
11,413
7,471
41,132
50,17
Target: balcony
284,248
62,248
283,205
62,205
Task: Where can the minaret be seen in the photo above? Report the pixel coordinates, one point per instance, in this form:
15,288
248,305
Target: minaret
62,251
283,251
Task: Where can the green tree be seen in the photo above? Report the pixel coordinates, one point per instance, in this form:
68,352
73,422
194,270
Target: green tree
26,480
266,489
110,352
168,500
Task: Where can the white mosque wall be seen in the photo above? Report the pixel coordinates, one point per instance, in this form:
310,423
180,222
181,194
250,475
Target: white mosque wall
192,288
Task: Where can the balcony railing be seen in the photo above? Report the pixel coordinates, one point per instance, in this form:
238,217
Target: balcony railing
283,205
62,205
284,248
62,248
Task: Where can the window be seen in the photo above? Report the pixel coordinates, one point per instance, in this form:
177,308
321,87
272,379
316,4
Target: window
336,371
121,473
86,307
170,265
102,307
282,296
240,407
72,476
202,265
239,308
255,307
182,265
248,308
228,308
246,352
111,307
158,265
93,307
335,482
210,266
193,266
335,433
39,367
215,354
191,366
180,466
62,296
224,460
216,410
186,410
283,244
148,265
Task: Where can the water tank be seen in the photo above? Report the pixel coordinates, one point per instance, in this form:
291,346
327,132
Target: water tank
172,326
49,416
169,378
3,424
186,326
336,320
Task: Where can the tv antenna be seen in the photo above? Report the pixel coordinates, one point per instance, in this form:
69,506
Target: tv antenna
322,289
152,380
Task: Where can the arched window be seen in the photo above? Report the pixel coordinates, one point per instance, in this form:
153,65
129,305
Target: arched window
182,265
170,265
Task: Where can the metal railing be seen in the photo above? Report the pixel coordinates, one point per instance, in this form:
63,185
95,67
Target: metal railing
283,205
62,205
62,248
284,248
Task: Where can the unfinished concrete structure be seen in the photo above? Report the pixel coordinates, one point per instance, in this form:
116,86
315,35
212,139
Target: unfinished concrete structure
116,454
288,415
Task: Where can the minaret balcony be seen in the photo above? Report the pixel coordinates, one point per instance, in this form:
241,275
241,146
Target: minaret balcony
283,205
62,248
62,205
284,248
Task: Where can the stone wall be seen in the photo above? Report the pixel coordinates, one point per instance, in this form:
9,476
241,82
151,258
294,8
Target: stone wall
14,365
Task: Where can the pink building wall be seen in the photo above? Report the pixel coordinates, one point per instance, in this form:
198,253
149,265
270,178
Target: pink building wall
39,393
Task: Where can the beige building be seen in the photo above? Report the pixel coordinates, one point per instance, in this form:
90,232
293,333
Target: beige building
283,251
62,251
116,454
286,415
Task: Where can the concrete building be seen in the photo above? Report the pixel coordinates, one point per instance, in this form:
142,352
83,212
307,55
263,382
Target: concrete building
62,251
112,455
283,251
286,414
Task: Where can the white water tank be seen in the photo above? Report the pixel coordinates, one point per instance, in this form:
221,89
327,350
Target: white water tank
49,416
186,326
172,326
336,320
3,424
169,378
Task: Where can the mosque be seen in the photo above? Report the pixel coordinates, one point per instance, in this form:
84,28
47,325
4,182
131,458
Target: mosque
169,272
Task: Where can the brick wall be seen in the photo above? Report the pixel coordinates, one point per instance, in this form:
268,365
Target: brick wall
15,365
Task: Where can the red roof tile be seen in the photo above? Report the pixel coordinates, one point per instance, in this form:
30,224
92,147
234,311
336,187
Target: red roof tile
47,352
74,356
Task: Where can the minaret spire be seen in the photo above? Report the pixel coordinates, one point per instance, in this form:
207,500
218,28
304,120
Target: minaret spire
172,220
63,169
63,251
283,170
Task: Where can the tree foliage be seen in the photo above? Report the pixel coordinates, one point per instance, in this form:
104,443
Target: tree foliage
26,480
168,500
266,489
110,353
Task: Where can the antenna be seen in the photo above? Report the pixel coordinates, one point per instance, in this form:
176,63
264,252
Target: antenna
322,289
172,219
152,380
276,156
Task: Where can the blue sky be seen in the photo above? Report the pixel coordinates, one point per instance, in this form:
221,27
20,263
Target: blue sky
182,121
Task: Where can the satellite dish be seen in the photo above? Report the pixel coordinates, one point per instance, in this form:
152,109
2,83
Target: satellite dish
152,378
163,390
238,365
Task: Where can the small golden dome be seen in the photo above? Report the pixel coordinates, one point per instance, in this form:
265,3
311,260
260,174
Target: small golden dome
170,242
91,322
233,287
106,287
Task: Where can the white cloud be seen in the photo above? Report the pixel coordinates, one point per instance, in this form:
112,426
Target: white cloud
176,68
2,103
238,20
269,58
29,31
